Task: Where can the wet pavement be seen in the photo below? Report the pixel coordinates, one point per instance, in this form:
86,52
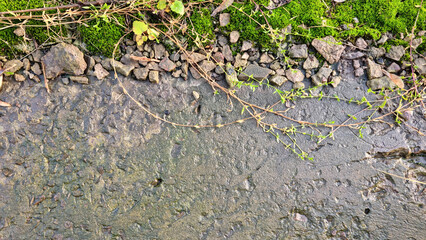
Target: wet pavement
85,162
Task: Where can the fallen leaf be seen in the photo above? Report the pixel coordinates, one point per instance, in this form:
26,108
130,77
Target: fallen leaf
224,5
4,104
394,78
144,59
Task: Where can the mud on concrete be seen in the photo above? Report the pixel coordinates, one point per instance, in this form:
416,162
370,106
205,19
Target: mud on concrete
85,162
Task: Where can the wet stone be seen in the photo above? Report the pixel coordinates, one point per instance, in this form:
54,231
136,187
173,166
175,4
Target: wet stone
298,51
254,71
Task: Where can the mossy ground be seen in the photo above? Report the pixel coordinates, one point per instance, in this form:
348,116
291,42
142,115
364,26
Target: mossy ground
309,19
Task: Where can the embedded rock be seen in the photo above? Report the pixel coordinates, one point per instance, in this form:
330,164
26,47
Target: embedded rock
298,51
329,48
141,73
278,80
374,70
64,58
395,53
12,66
254,71
19,77
311,62
154,76
193,56
100,72
265,58
124,70
167,64
246,46
321,76
354,55
379,83
394,68
231,76
207,66
79,79
377,52
294,75
159,51
227,53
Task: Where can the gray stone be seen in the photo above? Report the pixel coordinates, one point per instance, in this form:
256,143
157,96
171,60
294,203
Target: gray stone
26,64
106,63
37,55
246,46
239,62
222,40
90,62
167,64
159,51
224,19
177,73
335,81
64,58
416,43
393,68
356,64
298,51
245,56
278,80
395,53
65,81
127,60
100,72
19,77
254,55
254,71
154,76
207,66
420,66
383,39
79,79
377,52
275,65
193,56
20,32
374,70
298,85
219,70
124,70
234,36
231,75
12,66
321,76
141,73
359,72
329,48
311,62
227,53
175,57
195,73
36,69
353,55
294,75
380,83
218,57
265,58
360,42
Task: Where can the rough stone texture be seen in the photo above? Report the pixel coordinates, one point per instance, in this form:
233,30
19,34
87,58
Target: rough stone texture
106,63
12,66
416,43
395,53
360,42
231,75
124,70
36,69
329,48
278,80
224,19
356,63
19,77
167,64
100,72
353,55
159,51
154,76
26,64
127,60
311,62
298,85
196,57
383,39
321,76
420,64
37,55
240,62
254,71
298,51
246,46
207,66
141,73
227,53
377,52
294,75
374,70
381,83
79,79
234,36
195,73
393,68
64,58
218,57
335,81
265,58
359,72
90,62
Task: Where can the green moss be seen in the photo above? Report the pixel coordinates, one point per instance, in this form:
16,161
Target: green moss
101,37
201,27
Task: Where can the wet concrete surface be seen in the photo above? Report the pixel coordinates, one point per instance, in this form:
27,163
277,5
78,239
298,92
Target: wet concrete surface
85,162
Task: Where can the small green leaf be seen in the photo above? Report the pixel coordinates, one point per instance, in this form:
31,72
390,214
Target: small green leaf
152,34
162,4
139,27
177,7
